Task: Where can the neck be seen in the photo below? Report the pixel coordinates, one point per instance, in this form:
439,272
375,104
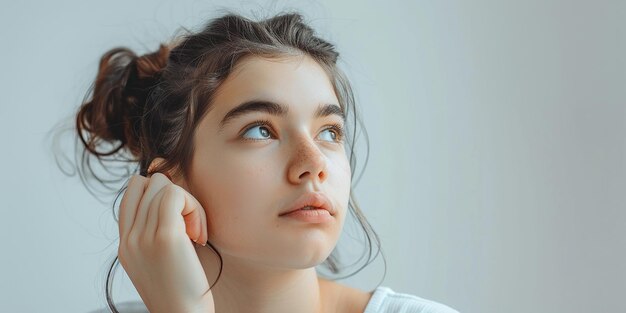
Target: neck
252,287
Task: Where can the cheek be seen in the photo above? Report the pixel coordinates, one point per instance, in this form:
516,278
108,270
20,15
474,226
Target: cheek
237,196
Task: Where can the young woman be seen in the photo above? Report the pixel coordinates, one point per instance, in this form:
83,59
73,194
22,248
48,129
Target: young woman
240,133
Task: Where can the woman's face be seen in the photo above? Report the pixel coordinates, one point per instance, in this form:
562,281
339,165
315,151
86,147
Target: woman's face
245,175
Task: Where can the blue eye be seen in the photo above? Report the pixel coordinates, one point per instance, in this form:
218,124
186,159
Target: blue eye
332,132
263,130
338,132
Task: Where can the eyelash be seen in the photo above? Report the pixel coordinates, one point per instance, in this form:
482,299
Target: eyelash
334,126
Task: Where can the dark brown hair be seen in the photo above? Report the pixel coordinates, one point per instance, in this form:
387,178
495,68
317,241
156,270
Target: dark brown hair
148,106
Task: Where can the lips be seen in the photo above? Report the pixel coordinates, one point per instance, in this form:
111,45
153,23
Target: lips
314,199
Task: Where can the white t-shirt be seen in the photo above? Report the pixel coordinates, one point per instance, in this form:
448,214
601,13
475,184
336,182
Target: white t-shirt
383,300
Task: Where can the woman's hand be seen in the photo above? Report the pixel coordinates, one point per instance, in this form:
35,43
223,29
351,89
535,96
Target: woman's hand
157,219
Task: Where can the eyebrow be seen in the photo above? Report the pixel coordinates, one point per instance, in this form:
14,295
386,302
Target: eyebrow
276,109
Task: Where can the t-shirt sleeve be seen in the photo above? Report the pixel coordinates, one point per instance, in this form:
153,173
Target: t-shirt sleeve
385,300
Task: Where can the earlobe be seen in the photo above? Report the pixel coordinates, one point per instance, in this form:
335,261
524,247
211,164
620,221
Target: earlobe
156,162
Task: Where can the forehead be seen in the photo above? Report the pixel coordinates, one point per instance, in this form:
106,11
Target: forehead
297,81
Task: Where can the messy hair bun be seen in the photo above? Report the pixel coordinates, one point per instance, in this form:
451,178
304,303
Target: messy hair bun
120,92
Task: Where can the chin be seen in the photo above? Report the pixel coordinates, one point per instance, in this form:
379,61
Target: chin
311,257
305,263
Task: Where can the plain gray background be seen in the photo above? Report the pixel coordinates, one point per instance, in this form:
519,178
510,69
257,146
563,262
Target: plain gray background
496,174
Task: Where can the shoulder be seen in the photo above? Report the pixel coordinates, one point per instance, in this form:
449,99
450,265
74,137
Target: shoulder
385,300
125,307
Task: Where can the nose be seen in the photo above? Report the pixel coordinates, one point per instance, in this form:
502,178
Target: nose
307,163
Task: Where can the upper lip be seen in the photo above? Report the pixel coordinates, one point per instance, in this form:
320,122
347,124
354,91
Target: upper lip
314,199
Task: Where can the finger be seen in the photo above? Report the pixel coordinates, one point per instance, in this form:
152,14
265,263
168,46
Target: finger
203,224
130,201
180,211
202,216
205,227
152,218
156,182
198,213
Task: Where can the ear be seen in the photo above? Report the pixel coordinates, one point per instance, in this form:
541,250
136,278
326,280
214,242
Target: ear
154,164
175,179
